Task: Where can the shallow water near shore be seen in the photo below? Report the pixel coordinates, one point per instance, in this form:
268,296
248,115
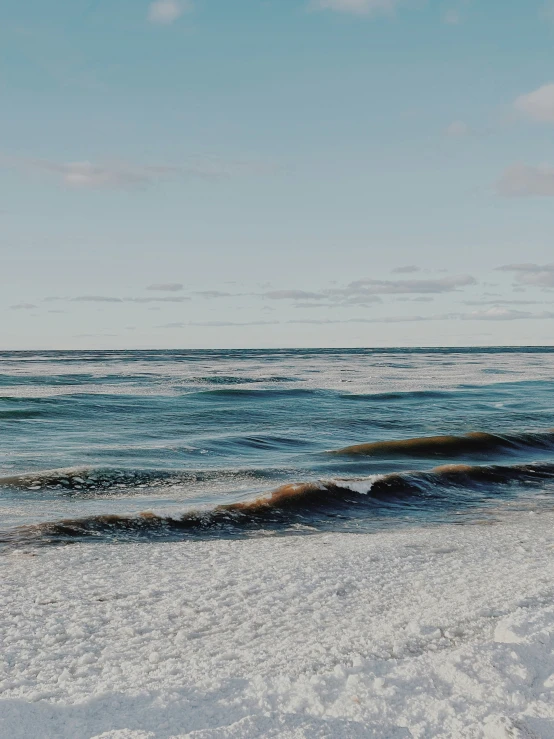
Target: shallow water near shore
163,445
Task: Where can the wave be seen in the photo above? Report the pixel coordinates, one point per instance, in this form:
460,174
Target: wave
19,414
263,442
399,395
309,503
79,480
257,393
238,380
451,446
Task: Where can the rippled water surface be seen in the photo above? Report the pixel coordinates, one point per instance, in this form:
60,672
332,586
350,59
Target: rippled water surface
169,444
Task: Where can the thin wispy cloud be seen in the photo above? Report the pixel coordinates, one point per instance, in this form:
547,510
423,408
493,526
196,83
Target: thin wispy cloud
491,314
165,12
326,298
233,323
421,299
144,300
218,324
406,269
537,105
86,175
506,314
95,299
458,129
314,305
294,295
357,7
526,267
500,302
524,181
165,299
95,336
385,319
369,291
354,297
112,299
452,17
392,287
166,286
538,275
211,294
546,13
23,306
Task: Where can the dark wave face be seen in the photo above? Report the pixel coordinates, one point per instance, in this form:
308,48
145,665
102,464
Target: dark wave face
113,446
454,446
346,505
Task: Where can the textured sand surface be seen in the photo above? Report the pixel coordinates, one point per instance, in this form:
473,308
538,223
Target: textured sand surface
435,632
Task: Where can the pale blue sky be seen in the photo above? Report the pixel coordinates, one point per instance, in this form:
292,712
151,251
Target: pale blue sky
278,164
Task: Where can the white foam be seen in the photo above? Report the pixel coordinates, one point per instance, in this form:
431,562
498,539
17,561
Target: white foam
437,632
362,487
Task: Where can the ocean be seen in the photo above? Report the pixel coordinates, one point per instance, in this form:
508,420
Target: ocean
118,446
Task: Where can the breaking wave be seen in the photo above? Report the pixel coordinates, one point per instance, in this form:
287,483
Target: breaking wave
452,446
311,504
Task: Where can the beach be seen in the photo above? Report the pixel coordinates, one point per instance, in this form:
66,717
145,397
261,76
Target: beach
441,631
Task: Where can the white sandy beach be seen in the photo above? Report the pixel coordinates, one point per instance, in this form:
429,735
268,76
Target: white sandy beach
435,632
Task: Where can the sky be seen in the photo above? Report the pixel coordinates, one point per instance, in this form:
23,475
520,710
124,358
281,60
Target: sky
276,173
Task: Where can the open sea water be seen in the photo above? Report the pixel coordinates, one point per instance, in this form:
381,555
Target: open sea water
162,445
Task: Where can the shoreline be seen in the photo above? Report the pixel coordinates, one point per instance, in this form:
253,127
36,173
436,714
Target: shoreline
421,632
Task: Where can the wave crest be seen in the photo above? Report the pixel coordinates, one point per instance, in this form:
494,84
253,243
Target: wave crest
451,446
310,503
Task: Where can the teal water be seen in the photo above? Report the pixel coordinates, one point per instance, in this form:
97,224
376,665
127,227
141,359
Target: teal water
97,438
